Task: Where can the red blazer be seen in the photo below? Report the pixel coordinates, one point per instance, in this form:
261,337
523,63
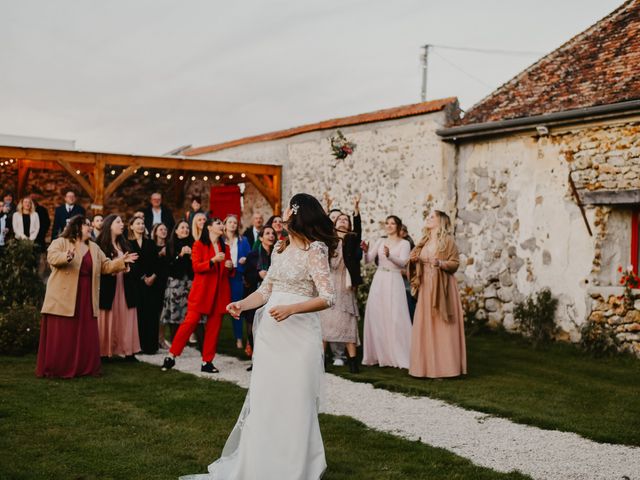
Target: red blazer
210,292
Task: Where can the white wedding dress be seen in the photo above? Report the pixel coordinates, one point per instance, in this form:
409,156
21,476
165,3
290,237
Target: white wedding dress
277,436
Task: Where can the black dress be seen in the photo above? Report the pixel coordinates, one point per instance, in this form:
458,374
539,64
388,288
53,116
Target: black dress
257,260
148,311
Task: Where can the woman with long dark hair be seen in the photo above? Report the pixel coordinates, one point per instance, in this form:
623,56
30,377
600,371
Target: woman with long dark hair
159,237
180,276
277,223
239,248
210,293
118,320
277,435
437,345
387,325
69,339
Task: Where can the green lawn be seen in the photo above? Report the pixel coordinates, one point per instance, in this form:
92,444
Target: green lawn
136,422
556,387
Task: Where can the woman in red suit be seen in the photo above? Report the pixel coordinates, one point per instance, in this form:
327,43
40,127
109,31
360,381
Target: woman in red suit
210,294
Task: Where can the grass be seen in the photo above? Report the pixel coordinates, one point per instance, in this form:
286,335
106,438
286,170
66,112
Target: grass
556,387
136,422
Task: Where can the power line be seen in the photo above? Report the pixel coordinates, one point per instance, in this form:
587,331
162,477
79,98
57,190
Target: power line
487,50
470,75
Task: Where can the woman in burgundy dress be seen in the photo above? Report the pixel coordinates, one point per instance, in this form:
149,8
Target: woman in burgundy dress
69,344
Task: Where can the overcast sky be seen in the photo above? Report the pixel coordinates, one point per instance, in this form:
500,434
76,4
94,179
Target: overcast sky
146,76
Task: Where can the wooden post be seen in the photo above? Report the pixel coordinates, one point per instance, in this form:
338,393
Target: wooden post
277,190
23,177
98,184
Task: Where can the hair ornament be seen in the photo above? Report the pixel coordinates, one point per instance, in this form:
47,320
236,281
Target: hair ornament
294,208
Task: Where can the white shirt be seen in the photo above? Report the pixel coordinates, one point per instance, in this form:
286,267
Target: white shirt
233,247
157,215
3,225
69,207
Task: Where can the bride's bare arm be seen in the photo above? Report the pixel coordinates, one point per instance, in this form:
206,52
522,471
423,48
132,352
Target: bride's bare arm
255,300
281,312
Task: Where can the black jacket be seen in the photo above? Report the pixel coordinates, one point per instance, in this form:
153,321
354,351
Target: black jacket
351,251
165,215
180,266
258,259
61,216
45,223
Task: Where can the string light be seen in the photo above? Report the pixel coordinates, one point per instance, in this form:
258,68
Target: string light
217,177
157,175
230,177
77,172
181,177
205,178
243,175
193,179
11,161
113,172
146,172
168,176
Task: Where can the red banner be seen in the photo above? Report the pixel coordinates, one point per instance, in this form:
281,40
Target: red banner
224,200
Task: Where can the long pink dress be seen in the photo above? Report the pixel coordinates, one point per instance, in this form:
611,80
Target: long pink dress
438,347
387,324
118,327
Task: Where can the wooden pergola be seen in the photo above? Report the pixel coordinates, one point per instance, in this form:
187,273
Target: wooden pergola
88,170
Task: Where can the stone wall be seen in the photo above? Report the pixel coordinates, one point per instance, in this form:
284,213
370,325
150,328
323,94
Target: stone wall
399,166
604,157
620,317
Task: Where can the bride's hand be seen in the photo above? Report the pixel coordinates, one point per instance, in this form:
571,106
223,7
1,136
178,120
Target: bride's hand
235,309
281,312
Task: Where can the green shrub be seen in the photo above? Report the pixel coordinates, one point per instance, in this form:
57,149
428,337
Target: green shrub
20,283
362,294
19,330
535,316
598,340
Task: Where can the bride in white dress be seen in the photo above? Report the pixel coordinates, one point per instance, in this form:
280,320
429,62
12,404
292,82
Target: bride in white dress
277,436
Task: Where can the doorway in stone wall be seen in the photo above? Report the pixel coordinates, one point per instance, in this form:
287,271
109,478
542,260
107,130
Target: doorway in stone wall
225,200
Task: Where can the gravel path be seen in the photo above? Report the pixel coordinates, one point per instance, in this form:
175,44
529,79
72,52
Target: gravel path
485,440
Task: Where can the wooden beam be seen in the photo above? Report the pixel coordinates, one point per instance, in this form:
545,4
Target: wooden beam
119,180
23,176
263,189
277,189
144,161
78,178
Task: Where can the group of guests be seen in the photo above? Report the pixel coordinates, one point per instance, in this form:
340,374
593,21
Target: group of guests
156,283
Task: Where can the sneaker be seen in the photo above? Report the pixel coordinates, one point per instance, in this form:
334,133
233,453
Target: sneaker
168,363
338,362
209,368
250,368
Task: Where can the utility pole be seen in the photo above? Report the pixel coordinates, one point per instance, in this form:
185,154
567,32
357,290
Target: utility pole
425,64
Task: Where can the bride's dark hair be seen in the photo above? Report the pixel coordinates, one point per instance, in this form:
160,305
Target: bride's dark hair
310,222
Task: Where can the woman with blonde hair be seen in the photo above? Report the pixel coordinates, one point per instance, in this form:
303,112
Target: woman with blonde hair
199,219
437,340
25,221
239,248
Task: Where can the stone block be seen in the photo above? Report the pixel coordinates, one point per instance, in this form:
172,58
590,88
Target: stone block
490,292
632,316
470,216
546,257
515,264
505,279
529,244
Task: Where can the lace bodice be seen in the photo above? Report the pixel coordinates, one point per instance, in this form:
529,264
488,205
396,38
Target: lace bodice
304,272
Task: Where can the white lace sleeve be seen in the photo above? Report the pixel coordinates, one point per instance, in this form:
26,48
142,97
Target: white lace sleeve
265,288
319,271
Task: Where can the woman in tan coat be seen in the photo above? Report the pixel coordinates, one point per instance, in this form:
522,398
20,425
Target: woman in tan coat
69,344
437,340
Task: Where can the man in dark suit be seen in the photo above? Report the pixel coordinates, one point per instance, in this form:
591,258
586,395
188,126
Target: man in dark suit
252,232
156,212
45,221
64,212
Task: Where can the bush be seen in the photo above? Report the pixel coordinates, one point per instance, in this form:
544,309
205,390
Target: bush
20,283
19,330
598,340
536,316
362,294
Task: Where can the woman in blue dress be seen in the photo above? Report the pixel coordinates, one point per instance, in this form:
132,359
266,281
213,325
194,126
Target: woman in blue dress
240,248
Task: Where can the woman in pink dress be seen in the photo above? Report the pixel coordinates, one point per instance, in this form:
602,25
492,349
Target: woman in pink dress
387,325
69,344
438,346
118,320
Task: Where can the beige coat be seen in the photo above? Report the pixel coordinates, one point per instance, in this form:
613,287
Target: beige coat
62,286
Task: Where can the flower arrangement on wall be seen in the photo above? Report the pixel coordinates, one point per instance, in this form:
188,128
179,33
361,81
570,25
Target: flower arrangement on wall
341,147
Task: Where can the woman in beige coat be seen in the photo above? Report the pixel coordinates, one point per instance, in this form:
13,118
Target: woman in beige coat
437,340
69,344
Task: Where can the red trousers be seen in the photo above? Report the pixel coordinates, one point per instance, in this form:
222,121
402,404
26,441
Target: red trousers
188,326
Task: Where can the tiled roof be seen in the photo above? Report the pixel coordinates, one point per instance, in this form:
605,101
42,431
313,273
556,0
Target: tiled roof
377,116
599,66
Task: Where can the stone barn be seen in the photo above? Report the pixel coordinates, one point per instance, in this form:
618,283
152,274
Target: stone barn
548,181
